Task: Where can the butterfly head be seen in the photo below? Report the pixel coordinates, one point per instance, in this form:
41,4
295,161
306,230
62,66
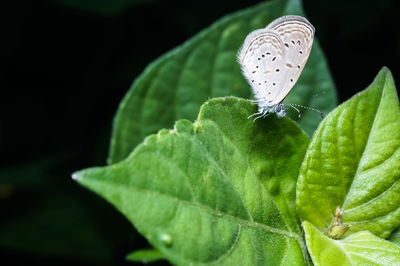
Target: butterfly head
280,110
264,108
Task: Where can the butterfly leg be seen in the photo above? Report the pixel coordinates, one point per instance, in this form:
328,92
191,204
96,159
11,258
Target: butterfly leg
254,101
259,113
264,114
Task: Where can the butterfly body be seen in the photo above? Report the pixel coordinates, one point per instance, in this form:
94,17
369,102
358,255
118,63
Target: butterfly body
273,58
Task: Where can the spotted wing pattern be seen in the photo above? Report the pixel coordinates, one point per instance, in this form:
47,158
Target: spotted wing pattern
273,58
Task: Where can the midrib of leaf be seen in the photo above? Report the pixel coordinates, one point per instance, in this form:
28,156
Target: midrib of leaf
251,223
244,159
298,237
365,146
212,211
335,242
372,219
239,221
372,200
387,160
342,243
363,258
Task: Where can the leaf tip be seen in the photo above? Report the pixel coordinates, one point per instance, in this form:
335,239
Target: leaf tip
385,73
75,176
385,69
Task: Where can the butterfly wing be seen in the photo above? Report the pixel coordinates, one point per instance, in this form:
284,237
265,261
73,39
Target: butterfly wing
261,53
297,35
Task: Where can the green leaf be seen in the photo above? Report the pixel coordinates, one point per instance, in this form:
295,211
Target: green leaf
174,86
145,255
361,248
353,163
218,191
395,237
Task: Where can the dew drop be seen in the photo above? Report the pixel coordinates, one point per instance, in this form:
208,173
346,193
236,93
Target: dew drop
166,239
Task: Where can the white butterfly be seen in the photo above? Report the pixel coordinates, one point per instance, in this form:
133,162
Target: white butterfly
272,60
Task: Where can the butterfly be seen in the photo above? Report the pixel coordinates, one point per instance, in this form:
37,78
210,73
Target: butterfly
272,60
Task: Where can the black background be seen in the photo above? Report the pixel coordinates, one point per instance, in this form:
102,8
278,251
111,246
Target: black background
64,70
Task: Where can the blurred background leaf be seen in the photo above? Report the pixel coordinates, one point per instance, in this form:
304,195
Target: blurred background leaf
145,255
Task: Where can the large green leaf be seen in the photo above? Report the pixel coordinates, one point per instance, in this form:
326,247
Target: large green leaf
218,191
175,85
361,248
353,162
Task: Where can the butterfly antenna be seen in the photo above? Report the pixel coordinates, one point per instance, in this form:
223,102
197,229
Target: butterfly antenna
298,111
309,108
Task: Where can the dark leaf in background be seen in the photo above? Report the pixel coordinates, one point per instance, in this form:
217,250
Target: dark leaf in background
105,7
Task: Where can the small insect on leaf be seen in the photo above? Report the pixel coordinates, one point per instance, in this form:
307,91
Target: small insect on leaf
272,60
